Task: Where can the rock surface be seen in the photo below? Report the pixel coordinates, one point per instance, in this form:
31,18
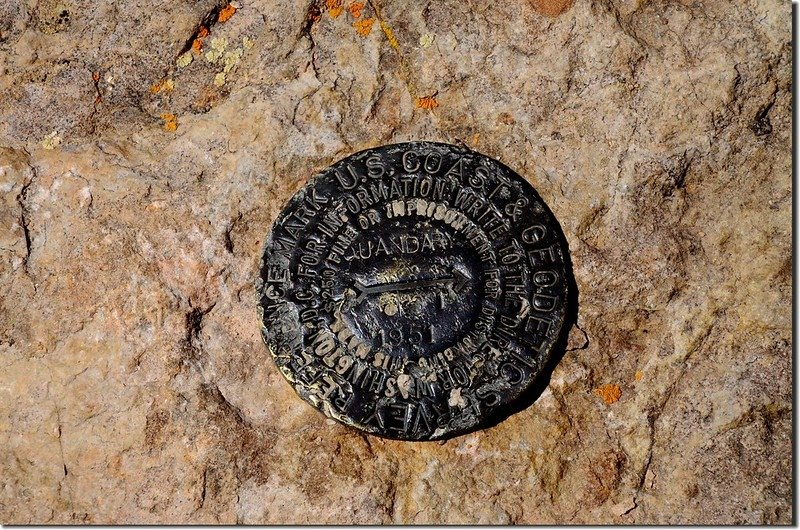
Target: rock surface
139,178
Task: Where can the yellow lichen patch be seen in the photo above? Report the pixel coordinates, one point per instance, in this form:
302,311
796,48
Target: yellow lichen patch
51,141
218,46
219,79
427,102
389,35
639,375
226,13
610,393
355,9
426,40
170,122
247,42
363,27
335,7
184,60
406,73
231,59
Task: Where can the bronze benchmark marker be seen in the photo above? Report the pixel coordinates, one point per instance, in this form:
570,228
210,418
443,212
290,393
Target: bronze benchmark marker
414,291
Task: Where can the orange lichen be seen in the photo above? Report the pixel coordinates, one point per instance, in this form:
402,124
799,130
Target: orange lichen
165,85
551,8
335,7
170,122
363,27
639,375
610,393
355,9
197,43
226,13
427,102
95,76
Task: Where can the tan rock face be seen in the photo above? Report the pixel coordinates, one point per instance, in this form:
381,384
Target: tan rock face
135,386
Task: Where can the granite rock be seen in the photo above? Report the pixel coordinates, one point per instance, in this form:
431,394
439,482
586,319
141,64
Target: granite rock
146,148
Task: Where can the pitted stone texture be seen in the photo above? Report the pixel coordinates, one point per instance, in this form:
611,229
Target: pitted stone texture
135,385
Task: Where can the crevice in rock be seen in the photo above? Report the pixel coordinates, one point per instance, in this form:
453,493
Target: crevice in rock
585,344
194,324
297,107
207,22
222,401
237,506
761,125
624,23
373,104
61,444
24,220
368,443
194,321
313,14
63,460
461,143
391,494
203,492
655,412
208,389
98,98
642,475
677,170
770,412
227,239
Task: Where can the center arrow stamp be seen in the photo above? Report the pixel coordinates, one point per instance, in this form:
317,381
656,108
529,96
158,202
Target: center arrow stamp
454,283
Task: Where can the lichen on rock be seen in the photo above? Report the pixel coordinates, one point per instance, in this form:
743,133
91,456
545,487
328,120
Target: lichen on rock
136,385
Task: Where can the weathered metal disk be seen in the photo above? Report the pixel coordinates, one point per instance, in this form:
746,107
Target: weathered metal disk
414,291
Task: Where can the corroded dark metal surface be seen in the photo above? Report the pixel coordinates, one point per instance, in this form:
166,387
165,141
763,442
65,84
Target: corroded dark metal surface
414,291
